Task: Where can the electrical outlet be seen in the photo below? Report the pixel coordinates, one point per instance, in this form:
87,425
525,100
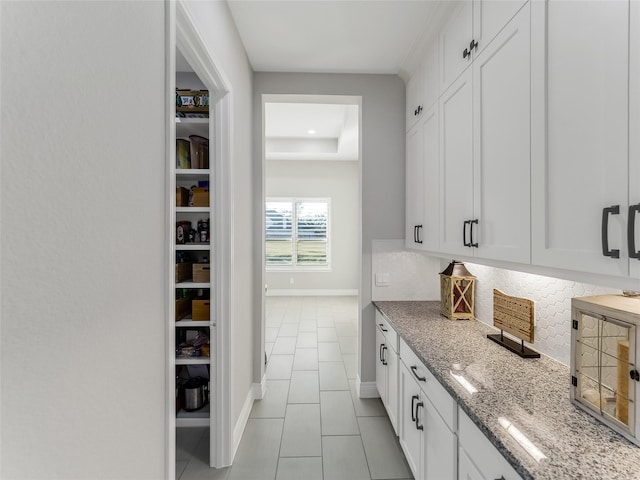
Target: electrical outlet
382,279
292,281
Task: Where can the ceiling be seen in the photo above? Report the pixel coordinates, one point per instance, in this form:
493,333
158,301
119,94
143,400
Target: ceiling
311,131
343,36
329,36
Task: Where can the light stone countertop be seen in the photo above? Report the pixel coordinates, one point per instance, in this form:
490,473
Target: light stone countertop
532,393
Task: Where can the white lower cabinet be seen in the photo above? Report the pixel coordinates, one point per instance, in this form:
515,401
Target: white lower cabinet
439,440
477,457
387,367
466,469
429,445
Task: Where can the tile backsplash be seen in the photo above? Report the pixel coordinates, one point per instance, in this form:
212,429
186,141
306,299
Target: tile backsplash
414,276
411,275
552,304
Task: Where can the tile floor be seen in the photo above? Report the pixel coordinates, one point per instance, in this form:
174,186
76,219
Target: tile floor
311,425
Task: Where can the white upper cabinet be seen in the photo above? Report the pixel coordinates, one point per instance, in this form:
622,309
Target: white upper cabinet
502,143
423,88
580,128
455,39
414,186
633,227
430,75
489,18
430,233
415,97
485,152
470,29
423,184
456,165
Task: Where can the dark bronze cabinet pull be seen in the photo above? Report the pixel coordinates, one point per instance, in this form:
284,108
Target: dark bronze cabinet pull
413,407
613,210
631,231
414,370
418,426
472,222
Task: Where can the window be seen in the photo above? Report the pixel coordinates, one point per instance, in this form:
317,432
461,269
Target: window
297,234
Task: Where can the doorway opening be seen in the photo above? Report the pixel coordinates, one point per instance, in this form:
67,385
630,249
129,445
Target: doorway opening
312,234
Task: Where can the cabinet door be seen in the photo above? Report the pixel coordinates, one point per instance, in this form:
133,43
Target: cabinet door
430,233
414,188
410,437
489,17
440,446
466,469
456,164
393,387
502,157
580,146
431,75
381,368
634,139
414,97
489,462
455,38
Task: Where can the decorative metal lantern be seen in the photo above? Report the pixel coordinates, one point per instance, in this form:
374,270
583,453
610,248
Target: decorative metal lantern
457,292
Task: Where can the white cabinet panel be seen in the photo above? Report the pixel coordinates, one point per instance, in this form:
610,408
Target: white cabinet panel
634,138
423,184
456,164
387,366
502,157
415,97
414,211
466,469
455,38
393,384
381,377
430,233
580,162
431,76
409,435
490,464
490,16
439,457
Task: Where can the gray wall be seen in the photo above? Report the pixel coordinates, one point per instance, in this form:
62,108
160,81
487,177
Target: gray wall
338,180
383,192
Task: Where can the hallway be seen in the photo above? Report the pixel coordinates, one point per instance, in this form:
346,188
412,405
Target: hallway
311,425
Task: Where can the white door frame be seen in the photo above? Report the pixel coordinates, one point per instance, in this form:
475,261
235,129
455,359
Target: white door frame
181,33
306,98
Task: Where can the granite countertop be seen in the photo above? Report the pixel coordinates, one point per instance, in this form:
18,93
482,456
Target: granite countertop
532,393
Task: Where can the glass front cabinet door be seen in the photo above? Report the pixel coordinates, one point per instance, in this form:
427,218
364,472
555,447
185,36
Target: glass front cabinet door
604,373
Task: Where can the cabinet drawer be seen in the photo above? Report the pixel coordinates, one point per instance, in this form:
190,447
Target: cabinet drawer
439,397
387,330
481,451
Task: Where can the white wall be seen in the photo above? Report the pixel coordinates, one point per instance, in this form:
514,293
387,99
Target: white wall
82,241
339,181
215,25
383,143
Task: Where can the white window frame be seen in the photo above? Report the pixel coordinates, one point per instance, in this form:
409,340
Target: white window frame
293,267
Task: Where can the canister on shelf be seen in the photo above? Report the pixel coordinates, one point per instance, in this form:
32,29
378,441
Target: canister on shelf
183,227
199,151
183,153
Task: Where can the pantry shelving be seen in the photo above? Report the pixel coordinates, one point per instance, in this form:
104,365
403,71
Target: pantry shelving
193,248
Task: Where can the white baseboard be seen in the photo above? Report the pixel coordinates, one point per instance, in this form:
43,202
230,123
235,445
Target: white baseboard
256,392
366,389
259,389
312,293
